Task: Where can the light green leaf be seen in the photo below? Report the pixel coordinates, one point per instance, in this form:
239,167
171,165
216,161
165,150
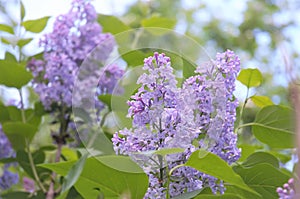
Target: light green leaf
261,101
250,77
23,42
273,125
36,25
263,178
112,24
74,173
213,165
114,176
160,22
13,74
6,28
168,151
10,57
247,150
261,157
18,133
22,10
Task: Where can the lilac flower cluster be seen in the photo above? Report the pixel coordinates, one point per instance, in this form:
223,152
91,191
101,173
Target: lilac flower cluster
74,35
7,178
288,190
201,114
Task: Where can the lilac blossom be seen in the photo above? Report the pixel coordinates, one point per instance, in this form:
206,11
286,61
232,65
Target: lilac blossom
74,36
287,191
165,116
8,178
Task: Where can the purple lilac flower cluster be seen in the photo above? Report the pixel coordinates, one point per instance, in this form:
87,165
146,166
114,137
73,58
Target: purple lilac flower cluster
288,190
7,178
201,114
74,35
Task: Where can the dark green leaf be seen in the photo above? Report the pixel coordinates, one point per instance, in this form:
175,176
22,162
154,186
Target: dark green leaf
6,28
114,176
247,150
273,125
13,74
112,24
36,25
4,114
106,99
212,164
250,77
261,157
74,173
263,178
261,101
38,158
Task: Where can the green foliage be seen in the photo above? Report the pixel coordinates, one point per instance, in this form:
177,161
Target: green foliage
263,178
274,126
114,176
36,25
13,74
19,133
160,22
112,24
250,77
212,164
6,28
261,101
73,174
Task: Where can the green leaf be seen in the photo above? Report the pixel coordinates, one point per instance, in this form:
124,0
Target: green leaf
263,178
273,125
188,69
135,57
250,77
23,42
212,164
230,189
6,28
13,74
261,101
18,133
22,10
112,24
106,99
261,157
38,158
74,173
22,195
114,176
36,25
160,22
247,150
4,114
10,57
168,151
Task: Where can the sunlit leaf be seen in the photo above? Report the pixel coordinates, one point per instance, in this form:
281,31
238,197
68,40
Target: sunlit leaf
250,77
36,25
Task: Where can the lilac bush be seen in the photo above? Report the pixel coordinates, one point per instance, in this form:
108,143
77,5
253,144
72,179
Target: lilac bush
74,35
201,114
